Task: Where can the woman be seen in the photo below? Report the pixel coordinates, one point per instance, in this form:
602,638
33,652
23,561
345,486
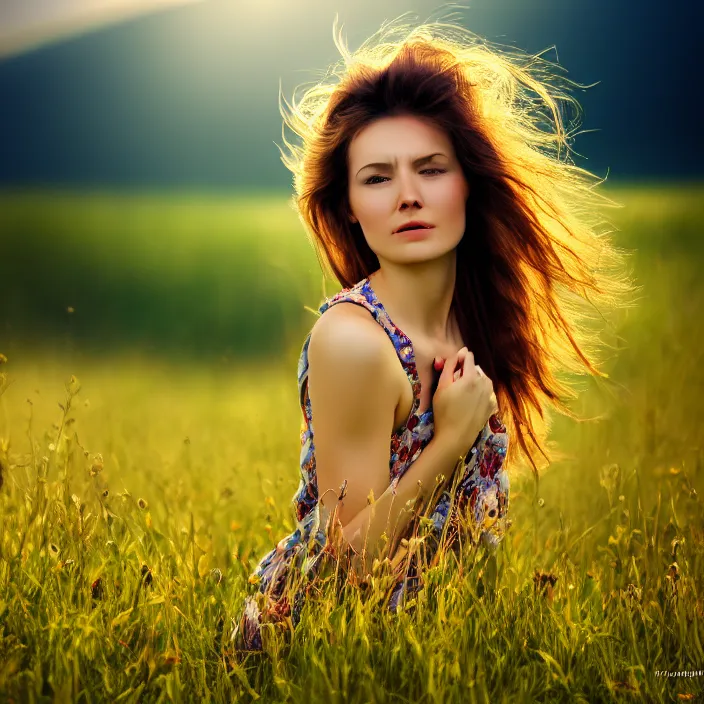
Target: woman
464,247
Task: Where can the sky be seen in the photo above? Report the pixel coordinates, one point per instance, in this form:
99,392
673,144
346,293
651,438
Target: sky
28,24
185,94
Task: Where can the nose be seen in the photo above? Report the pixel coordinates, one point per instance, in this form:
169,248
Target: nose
408,193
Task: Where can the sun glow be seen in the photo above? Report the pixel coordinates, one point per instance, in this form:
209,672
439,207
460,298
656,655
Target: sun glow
27,24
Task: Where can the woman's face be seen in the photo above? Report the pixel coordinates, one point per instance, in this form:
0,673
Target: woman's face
400,169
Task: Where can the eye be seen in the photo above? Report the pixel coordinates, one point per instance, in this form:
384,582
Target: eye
432,172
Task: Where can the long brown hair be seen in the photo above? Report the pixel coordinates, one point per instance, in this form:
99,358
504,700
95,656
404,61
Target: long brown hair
534,260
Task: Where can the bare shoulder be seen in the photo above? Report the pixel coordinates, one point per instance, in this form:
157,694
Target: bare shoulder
353,374
347,334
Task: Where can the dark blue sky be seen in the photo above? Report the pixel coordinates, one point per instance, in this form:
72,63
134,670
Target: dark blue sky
188,97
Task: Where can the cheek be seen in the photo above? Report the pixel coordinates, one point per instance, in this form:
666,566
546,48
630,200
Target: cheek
370,208
376,202
452,198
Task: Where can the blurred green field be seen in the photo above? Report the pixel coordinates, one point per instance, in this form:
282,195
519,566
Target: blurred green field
200,276
137,498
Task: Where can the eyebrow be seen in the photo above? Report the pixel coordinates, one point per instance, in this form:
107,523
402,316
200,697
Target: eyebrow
417,162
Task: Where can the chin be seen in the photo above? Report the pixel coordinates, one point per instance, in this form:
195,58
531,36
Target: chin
422,251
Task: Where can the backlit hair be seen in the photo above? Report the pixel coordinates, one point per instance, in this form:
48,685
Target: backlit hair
535,267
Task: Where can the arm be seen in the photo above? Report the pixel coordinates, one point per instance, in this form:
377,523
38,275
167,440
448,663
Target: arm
354,388
391,513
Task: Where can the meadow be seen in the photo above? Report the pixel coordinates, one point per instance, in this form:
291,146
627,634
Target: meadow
144,471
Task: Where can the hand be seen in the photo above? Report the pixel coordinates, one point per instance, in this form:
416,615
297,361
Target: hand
463,401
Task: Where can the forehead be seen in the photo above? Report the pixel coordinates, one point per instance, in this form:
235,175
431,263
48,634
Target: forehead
399,137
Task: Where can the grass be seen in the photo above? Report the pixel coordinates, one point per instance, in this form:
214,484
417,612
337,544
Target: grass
137,498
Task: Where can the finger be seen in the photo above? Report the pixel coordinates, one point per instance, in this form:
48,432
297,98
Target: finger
468,363
459,364
448,372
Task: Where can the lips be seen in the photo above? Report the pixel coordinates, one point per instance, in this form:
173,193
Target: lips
414,225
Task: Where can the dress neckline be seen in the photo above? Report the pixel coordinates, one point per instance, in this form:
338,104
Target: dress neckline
415,378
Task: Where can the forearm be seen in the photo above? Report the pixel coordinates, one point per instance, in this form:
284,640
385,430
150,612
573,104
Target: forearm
391,513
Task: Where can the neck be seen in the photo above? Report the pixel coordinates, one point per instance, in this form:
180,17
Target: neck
418,296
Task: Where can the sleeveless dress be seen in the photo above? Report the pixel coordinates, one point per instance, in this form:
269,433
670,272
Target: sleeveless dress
482,494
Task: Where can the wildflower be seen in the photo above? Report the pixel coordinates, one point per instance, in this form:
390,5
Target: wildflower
96,589
216,575
544,582
541,502
142,504
73,387
673,576
623,686
171,658
632,593
97,465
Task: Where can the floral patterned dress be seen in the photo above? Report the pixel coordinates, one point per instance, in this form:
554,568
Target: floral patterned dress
481,495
